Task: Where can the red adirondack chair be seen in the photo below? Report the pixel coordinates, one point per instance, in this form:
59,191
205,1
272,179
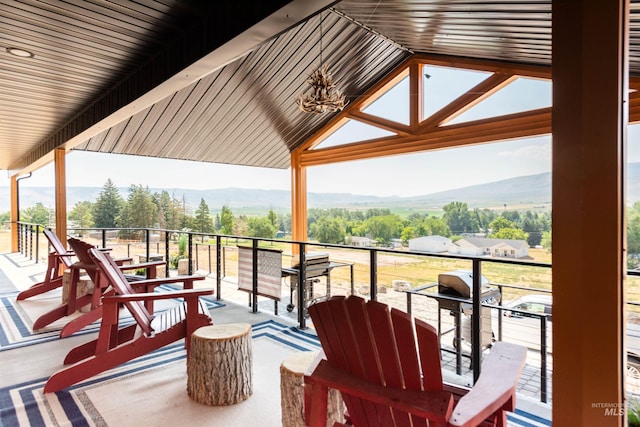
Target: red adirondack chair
73,303
117,344
58,261
387,367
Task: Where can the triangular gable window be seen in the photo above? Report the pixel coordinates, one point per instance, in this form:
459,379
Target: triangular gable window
510,100
398,97
353,131
443,84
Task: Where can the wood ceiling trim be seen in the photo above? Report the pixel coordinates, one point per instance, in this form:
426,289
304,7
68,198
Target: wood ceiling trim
520,125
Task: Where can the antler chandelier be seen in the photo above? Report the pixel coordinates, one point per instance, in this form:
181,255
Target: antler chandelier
324,95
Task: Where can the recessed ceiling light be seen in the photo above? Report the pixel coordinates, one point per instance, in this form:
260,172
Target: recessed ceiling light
20,52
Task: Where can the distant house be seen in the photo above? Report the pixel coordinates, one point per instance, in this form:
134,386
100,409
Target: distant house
435,244
477,246
396,243
362,242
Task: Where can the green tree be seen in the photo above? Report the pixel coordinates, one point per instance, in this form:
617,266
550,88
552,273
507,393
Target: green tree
107,206
175,213
140,211
203,221
226,220
384,228
499,223
510,233
458,218
82,214
261,227
546,240
437,226
408,233
37,214
273,218
328,230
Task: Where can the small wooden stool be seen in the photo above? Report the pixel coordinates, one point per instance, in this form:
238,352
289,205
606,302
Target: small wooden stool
292,372
219,368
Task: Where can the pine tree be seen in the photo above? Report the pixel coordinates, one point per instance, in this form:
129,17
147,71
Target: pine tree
107,207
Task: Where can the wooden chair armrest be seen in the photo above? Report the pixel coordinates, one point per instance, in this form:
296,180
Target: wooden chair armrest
141,265
66,254
495,387
314,364
152,296
433,405
151,283
83,266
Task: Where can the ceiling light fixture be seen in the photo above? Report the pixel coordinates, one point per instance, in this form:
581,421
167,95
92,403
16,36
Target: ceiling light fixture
19,52
324,96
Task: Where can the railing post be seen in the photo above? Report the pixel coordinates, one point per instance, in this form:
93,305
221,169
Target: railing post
543,359
254,276
104,237
190,253
302,288
224,261
167,236
147,244
500,314
373,274
31,242
476,320
197,257
218,267
37,243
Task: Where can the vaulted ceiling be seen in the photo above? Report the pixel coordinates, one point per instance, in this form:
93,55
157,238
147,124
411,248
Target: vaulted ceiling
217,81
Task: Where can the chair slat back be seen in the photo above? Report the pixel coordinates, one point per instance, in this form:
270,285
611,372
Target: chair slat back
81,250
381,345
118,281
57,246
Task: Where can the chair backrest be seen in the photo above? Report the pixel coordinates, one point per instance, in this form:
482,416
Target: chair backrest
57,246
381,345
81,250
118,281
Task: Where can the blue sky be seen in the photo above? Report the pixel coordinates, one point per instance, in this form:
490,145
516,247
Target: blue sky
406,175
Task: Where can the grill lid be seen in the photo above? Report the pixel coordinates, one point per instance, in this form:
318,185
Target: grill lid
458,283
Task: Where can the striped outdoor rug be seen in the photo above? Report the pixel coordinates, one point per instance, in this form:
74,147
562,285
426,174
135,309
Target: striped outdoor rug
151,390
17,317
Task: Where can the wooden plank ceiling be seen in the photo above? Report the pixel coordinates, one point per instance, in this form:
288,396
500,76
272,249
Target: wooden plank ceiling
217,81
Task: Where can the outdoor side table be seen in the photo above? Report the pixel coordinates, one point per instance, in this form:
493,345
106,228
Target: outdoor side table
292,372
220,363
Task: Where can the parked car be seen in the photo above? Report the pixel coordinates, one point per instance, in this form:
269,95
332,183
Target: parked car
543,304
534,303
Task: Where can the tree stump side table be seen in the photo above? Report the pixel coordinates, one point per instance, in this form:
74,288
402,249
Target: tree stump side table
85,286
220,363
292,372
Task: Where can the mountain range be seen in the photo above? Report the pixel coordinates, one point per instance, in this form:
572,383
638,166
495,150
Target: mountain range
523,192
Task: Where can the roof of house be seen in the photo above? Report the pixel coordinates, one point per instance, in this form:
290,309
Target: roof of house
485,242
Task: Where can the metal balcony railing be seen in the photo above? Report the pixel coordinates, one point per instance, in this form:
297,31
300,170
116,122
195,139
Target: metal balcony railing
213,254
